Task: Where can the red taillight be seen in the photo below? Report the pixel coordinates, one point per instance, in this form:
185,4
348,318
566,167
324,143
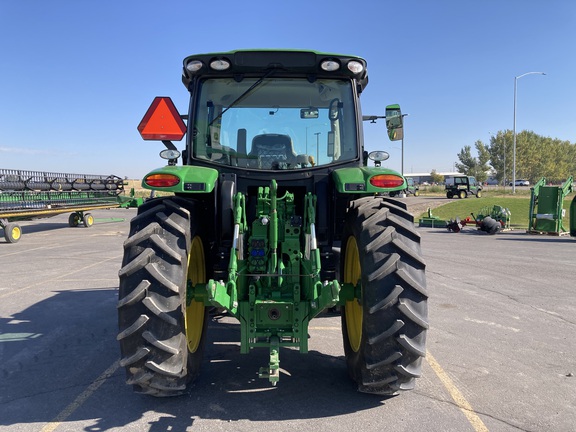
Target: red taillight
386,181
161,180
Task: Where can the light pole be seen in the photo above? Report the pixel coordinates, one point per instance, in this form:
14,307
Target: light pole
514,146
402,161
504,151
317,147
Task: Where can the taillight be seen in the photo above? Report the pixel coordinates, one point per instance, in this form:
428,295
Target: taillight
162,180
386,181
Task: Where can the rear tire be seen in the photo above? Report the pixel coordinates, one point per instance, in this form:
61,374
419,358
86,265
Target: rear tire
161,338
384,331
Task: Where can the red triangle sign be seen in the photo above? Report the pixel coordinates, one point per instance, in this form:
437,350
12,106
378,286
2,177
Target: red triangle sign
162,121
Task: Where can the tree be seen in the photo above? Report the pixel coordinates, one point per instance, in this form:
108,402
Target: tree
474,166
536,157
436,178
501,155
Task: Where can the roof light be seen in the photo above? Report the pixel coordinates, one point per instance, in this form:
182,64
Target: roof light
330,65
162,180
194,66
169,154
355,66
386,180
220,64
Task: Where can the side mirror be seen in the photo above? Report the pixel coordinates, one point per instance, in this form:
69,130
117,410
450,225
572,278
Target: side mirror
334,109
394,122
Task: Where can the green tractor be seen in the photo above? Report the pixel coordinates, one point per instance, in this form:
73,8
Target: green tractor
275,217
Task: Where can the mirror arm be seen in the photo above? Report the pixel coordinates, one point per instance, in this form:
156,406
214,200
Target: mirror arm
372,118
169,145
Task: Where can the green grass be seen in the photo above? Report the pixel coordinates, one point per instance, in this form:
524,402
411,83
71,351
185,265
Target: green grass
518,205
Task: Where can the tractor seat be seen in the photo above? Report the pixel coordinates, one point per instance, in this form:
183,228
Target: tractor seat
273,150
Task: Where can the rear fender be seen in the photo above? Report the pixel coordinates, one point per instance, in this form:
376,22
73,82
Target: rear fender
190,179
358,180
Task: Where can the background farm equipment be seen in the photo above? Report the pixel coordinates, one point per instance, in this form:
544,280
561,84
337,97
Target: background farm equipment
28,195
431,221
411,189
488,219
547,208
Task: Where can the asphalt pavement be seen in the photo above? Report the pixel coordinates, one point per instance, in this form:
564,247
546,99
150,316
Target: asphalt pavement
501,347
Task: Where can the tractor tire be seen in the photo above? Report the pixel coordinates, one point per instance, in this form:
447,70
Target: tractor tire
449,195
479,194
161,337
384,331
462,194
12,232
416,193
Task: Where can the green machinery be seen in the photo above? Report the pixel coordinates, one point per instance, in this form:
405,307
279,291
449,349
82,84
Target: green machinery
489,219
275,217
547,207
462,186
27,195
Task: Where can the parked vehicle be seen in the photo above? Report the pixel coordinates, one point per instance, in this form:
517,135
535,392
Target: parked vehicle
520,183
462,186
412,188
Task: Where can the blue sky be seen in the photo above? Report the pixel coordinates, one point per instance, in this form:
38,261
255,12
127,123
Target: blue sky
76,76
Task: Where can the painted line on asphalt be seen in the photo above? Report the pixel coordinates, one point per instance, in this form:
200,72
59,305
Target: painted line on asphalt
79,401
458,397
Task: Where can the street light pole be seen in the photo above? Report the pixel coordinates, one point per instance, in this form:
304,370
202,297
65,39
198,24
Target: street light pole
317,147
495,137
514,146
402,160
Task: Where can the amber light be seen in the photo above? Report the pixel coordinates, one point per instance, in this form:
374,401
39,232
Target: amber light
161,180
386,181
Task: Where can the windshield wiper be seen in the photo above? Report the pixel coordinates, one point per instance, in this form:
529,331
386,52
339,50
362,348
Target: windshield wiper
243,95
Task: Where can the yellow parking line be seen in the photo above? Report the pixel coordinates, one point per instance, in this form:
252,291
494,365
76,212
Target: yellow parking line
67,412
458,397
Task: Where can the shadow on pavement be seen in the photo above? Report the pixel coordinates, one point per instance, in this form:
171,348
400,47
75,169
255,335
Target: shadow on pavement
53,351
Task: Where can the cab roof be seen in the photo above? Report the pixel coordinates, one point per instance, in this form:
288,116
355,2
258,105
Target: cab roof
292,63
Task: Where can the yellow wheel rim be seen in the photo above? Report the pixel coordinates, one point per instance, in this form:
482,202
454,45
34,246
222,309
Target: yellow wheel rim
353,309
16,233
194,317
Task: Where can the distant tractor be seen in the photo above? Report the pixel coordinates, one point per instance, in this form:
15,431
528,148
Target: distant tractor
275,216
462,186
411,189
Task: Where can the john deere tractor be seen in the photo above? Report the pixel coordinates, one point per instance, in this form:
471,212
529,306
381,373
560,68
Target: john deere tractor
275,216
